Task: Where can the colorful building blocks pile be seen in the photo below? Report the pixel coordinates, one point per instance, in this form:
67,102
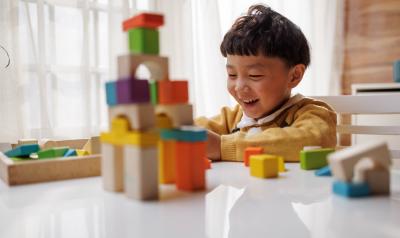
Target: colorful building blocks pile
152,139
361,170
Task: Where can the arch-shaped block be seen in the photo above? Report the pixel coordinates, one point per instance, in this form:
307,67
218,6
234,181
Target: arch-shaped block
141,116
180,114
157,65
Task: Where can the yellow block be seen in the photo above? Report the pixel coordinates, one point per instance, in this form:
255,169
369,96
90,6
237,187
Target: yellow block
163,121
166,158
140,138
119,126
281,164
82,152
264,166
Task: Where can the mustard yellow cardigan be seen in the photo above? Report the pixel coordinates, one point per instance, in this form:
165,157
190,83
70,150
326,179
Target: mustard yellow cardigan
306,123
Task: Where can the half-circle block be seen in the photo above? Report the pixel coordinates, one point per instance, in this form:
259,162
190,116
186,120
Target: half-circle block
180,114
141,116
157,65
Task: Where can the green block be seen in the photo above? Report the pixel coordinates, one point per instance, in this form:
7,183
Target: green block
314,159
52,152
144,41
153,92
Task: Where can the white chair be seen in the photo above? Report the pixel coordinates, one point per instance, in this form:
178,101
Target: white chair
369,105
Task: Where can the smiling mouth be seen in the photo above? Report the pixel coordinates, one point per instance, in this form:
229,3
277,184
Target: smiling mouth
250,101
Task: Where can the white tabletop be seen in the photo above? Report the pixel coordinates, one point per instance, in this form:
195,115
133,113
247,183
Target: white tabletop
297,204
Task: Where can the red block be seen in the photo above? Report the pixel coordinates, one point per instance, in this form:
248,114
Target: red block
147,20
251,151
189,165
173,92
207,163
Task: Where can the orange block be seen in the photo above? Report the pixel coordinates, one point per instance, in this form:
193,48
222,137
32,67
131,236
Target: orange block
166,158
249,152
147,20
173,92
207,163
189,165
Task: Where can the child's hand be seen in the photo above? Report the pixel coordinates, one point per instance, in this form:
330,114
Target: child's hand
213,145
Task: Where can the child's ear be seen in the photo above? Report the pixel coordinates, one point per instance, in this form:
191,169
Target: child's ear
296,74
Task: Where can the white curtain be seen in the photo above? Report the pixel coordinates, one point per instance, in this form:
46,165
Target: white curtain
62,52
194,30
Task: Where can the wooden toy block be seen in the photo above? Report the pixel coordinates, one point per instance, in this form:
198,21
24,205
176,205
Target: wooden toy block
324,171
141,173
180,114
163,122
281,164
342,162
112,167
32,171
264,166
27,142
147,20
23,150
141,116
131,90
5,147
376,176
47,144
249,151
346,189
166,158
153,92
71,143
185,133
144,41
173,92
82,152
314,159
52,153
157,65
141,139
111,93
92,145
190,171
207,163
70,152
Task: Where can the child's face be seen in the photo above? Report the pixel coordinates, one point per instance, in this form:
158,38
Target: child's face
260,84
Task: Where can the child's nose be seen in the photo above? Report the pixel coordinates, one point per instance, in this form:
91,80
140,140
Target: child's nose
241,86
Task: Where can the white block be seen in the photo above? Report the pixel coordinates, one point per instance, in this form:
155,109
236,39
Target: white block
112,167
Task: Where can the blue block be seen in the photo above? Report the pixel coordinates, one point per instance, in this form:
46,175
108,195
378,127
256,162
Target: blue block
111,93
351,189
324,171
185,133
23,150
70,152
396,71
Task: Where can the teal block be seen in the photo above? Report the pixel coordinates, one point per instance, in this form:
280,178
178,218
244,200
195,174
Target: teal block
324,171
111,93
70,152
186,133
314,159
52,152
144,41
351,189
23,150
396,71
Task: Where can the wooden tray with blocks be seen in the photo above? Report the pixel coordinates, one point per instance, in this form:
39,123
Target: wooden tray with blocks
16,172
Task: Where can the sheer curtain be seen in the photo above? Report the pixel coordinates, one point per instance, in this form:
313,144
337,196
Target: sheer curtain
194,30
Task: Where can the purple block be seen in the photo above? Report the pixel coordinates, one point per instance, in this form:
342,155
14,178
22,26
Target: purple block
132,91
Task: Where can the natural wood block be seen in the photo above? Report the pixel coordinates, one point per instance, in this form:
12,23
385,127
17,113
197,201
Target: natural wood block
376,176
147,20
264,166
180,114
173,92
27,141
144,41
166,158
157,65
141,173
141,116
112,167
342,162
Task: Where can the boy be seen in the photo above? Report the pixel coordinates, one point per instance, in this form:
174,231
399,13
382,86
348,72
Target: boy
266,58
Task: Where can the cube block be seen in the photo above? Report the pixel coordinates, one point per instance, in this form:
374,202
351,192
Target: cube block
143,41
111,93
132,91
173,92
314,159
249,151
264,166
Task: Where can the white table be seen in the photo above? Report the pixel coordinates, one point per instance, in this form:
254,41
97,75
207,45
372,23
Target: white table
297,204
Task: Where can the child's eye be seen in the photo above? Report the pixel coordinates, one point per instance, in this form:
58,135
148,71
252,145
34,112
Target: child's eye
256,76
232,76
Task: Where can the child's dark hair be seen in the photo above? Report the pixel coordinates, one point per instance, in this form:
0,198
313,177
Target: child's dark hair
264,31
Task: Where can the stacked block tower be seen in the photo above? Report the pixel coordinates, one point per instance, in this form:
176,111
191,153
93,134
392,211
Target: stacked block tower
152,139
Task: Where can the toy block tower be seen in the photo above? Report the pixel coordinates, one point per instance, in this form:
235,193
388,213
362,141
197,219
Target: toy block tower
135,159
